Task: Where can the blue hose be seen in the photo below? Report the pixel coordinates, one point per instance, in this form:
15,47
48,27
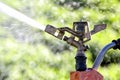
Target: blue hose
101,54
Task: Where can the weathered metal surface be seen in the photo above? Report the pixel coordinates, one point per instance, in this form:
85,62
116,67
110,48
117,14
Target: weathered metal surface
80,30
98,28
54,31
86,75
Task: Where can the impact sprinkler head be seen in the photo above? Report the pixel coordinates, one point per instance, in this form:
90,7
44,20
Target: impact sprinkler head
80,30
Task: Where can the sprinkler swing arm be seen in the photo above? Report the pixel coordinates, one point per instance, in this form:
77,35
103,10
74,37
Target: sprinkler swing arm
80,30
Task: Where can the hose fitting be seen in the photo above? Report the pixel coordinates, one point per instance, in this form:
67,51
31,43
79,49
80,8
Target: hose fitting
117,42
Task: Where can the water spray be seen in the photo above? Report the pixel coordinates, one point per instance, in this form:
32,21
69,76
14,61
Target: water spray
20,16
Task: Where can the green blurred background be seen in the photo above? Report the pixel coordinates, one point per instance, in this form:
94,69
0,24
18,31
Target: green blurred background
27,53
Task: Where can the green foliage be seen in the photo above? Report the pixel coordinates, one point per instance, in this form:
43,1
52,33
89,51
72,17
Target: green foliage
27,62
29,54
